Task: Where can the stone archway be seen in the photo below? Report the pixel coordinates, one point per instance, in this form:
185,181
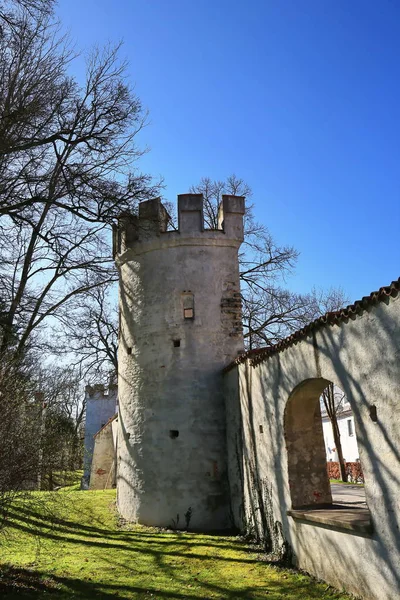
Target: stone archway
307,473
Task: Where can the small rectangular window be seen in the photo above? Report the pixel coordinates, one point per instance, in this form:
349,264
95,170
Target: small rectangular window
350,427
188,305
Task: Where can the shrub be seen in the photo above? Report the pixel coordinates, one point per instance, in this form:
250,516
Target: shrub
353,469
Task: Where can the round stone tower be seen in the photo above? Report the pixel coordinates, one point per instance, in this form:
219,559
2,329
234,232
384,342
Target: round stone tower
180,325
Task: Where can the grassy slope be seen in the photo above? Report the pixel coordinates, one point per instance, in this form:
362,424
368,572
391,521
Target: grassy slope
86,555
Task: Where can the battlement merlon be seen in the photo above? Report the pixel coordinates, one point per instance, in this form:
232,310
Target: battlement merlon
230,216
190,213
96,389
153,217
99,391
152,222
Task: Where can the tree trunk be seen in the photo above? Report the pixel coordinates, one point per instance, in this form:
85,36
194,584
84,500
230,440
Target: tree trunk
338,444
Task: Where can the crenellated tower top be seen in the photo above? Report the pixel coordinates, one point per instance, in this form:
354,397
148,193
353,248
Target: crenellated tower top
150,226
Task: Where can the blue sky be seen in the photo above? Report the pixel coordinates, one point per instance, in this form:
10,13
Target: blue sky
300,99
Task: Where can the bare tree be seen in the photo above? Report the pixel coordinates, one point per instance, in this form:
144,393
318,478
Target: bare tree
66,156
92,333
333,400
67,169
12,11
40,428
270,310
19,457
46,263
62,397
62,144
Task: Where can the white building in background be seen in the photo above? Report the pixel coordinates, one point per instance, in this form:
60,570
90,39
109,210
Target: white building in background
347,435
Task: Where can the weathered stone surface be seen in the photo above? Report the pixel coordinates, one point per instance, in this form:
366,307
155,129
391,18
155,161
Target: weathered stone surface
100,407
275,450
172,442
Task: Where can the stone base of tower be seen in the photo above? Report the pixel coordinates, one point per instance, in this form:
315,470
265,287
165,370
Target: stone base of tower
210,513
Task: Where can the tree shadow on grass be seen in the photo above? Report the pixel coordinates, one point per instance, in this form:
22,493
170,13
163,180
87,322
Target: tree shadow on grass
136,565
73,532
27,584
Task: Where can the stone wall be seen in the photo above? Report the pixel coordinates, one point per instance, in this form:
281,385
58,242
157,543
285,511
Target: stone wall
276,457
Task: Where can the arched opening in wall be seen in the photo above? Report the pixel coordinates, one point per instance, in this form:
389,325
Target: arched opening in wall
308,476
306,422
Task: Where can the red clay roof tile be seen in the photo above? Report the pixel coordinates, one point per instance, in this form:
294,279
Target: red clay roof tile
331,318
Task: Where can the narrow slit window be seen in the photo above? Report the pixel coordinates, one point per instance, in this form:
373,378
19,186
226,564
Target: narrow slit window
173,434
188,305
177,343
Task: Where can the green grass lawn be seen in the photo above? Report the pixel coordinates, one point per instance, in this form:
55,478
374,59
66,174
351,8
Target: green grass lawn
63,479
86,554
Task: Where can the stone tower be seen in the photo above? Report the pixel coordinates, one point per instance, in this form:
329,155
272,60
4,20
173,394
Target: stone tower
180,325
101,405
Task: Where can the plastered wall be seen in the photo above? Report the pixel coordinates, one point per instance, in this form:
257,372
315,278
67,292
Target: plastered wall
103,471
266,462
172,441
100,407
